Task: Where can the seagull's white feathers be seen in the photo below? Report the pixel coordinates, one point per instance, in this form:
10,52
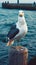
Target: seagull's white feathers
20,29
22,26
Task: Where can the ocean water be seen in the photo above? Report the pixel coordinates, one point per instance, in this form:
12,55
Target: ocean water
7,17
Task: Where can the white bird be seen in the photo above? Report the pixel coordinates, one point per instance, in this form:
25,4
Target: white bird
18,30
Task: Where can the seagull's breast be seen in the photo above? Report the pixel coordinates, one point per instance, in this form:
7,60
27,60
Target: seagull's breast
25,28
22,31
22,26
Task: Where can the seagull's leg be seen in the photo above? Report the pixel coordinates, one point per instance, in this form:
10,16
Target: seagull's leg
10,42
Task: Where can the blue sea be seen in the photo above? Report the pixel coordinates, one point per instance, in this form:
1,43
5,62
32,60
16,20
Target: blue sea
7,17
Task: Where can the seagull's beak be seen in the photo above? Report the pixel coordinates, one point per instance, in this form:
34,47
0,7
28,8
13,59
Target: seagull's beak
21,14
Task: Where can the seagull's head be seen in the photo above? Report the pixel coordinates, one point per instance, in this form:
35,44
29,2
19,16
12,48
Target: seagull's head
21,18
21,13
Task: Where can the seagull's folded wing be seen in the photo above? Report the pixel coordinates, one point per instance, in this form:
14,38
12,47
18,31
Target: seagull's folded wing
13,32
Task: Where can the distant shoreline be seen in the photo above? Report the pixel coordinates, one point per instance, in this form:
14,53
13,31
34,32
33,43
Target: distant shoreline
25,6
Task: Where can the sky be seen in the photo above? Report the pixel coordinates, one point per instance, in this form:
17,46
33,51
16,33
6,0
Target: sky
21,1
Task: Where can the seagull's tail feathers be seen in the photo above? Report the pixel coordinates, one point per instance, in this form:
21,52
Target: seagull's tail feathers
10,42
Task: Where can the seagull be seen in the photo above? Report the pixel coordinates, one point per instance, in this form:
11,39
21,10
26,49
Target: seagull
18,30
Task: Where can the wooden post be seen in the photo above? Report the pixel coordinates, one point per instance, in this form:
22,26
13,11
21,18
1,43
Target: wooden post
18,56
25,56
